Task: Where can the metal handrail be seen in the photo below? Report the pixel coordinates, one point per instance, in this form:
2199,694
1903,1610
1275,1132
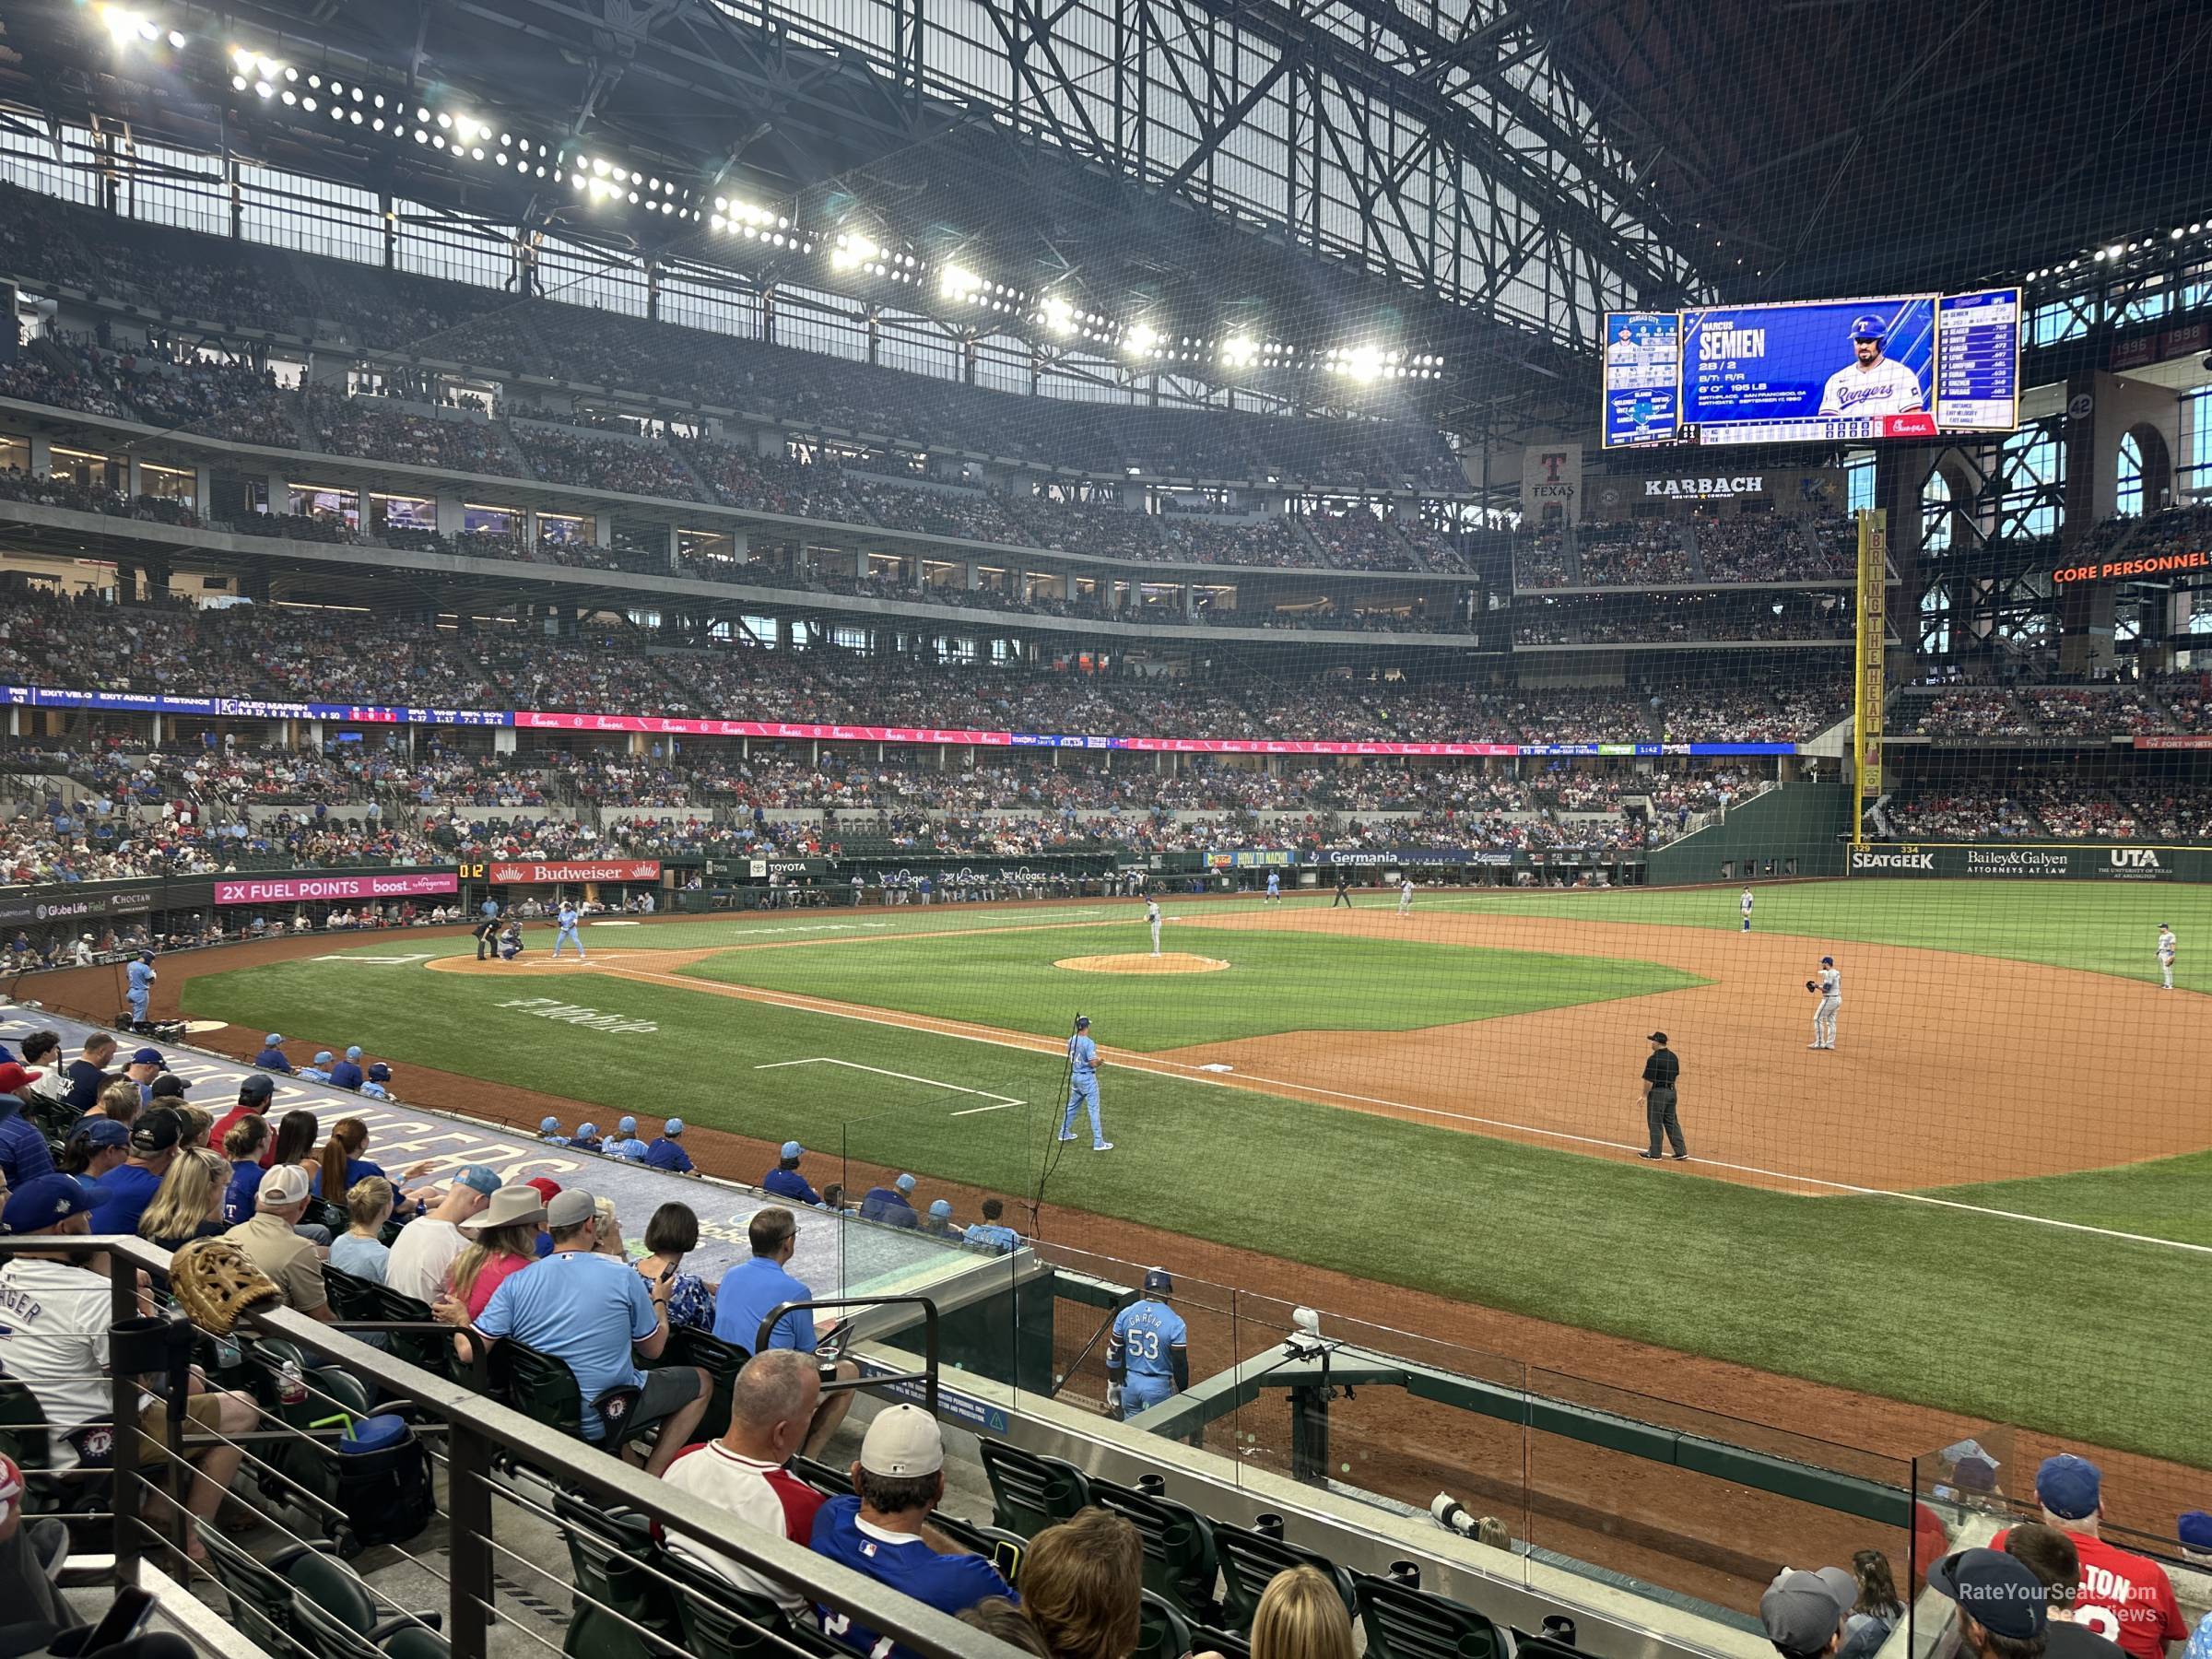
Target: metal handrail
926,1376
478,1428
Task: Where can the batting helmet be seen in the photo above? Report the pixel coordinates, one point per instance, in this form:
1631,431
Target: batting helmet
1827,961
1082,1022
1157,1282
1869,327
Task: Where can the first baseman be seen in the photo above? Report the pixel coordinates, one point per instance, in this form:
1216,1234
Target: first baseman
1829,985
1745,904
142,976
2165,957
565,920
1152,919
1871,384
1083,1085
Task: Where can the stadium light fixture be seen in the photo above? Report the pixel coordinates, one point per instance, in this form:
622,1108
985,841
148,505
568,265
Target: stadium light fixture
1057,315
1140,340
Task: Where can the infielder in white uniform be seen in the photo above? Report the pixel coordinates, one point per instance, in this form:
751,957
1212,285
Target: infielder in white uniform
1872,384
1831,987
1744,904
1405,895
1152,917
2165,956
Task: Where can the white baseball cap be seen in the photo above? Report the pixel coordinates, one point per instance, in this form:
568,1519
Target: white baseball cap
287,1183
902,1443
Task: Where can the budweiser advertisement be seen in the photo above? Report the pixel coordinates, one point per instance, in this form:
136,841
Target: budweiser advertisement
553,875
302,889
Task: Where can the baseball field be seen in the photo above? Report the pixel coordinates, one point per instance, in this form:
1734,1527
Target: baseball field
1991,1199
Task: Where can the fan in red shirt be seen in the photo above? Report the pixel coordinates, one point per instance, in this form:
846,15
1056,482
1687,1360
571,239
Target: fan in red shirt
772,1408
2124,1597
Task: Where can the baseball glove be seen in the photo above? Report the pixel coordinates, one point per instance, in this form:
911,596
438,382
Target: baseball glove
216,1282
1812,984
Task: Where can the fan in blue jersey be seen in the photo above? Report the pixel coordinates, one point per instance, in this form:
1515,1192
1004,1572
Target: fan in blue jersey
1149,1358
882,1530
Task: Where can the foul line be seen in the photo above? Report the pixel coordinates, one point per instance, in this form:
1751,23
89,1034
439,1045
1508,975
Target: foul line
1003,1101
1242,1080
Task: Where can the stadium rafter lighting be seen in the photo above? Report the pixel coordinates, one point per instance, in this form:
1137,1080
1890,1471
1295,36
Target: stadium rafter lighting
1240,351
129,27
1057,315
1141,340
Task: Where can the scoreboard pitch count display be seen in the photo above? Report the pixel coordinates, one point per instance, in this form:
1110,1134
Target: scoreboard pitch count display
1818,370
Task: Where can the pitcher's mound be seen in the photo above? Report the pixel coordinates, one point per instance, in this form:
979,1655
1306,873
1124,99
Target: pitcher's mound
1138,961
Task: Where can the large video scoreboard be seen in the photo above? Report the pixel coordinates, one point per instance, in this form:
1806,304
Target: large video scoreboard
1818,371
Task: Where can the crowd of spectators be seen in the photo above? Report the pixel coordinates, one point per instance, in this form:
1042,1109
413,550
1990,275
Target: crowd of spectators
1635,553
1661,618
338,425
1359,541
1761,546
1962,812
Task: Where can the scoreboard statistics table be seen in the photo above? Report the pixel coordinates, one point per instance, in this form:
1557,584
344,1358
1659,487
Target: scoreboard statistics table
1823,371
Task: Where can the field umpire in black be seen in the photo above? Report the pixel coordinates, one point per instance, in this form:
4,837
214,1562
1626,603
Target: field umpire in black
1659,1073
488,937
1343,891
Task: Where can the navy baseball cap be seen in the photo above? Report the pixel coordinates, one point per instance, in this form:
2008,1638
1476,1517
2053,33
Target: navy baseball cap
793,1149
673,1126
2195,1531
1869,327
2069,1487
146,1056
1155,1278
49,1200
102,1133
380,1072
1999,1592
1082,1020
259,1086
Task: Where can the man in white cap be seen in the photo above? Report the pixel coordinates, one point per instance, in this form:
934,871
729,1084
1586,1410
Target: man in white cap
269,1242
883,1529
588,1310
1804,1612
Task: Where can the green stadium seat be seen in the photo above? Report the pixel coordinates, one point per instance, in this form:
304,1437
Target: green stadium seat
687,1345
432,1351
722,1622
836,1483
1402,1622
351,1296
1249,1559
1000,1548
23,1436
414,1642
1029,1492
261,1596
621,1578
335,1615
1178,1545
1162,1633
541,1386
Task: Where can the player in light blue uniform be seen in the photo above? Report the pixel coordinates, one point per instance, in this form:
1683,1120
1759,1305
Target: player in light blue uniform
1745,904
565,920
1148,1357
1083,1085
1275,887
142,977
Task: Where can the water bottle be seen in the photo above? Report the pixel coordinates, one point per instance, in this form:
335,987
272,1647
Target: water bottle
292,1387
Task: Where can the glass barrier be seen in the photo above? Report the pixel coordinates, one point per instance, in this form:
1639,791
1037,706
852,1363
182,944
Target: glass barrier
1965,1493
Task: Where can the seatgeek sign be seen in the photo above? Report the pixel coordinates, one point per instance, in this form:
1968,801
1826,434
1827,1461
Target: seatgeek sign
124,702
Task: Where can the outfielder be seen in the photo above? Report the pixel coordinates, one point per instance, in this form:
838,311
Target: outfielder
1083,1085
1871,384
142,977
1148,1356
565,920
1152,919
1275,887
1829,986
2165,959
1405,895
1745,904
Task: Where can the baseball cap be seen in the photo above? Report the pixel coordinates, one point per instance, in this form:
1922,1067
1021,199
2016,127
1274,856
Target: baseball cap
1157,1279
673,1126
13,1078
1827,961
548,1126
101,1133
47,1200
793,1149
545,1186
941,1208
259,1086
287,1183
571,1207
902,1443
586,1131
353,1052
1656,1036
147,1056
629,1126
508,1205
1082,1020
1868,327
1801,1610
380,1072
2068,1486
905,1183
155,1131
167,1087
1999,1591
480,1177
2195,1531
272,1039
323,1056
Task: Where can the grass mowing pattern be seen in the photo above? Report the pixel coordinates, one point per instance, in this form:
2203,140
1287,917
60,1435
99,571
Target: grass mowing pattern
1275,982
2102,927
1761,1278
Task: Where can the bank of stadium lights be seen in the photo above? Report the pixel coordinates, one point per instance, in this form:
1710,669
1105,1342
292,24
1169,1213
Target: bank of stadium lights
859,254
1367,363
128,28
961,286
735,216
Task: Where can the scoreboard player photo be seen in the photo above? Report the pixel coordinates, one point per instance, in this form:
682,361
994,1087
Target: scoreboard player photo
1872,383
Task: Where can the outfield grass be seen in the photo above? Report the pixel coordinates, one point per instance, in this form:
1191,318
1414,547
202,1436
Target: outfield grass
2108,928
1275,982
1975,1313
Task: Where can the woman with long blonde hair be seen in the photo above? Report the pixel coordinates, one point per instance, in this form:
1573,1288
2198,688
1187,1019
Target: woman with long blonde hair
188,1204
1301,1616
